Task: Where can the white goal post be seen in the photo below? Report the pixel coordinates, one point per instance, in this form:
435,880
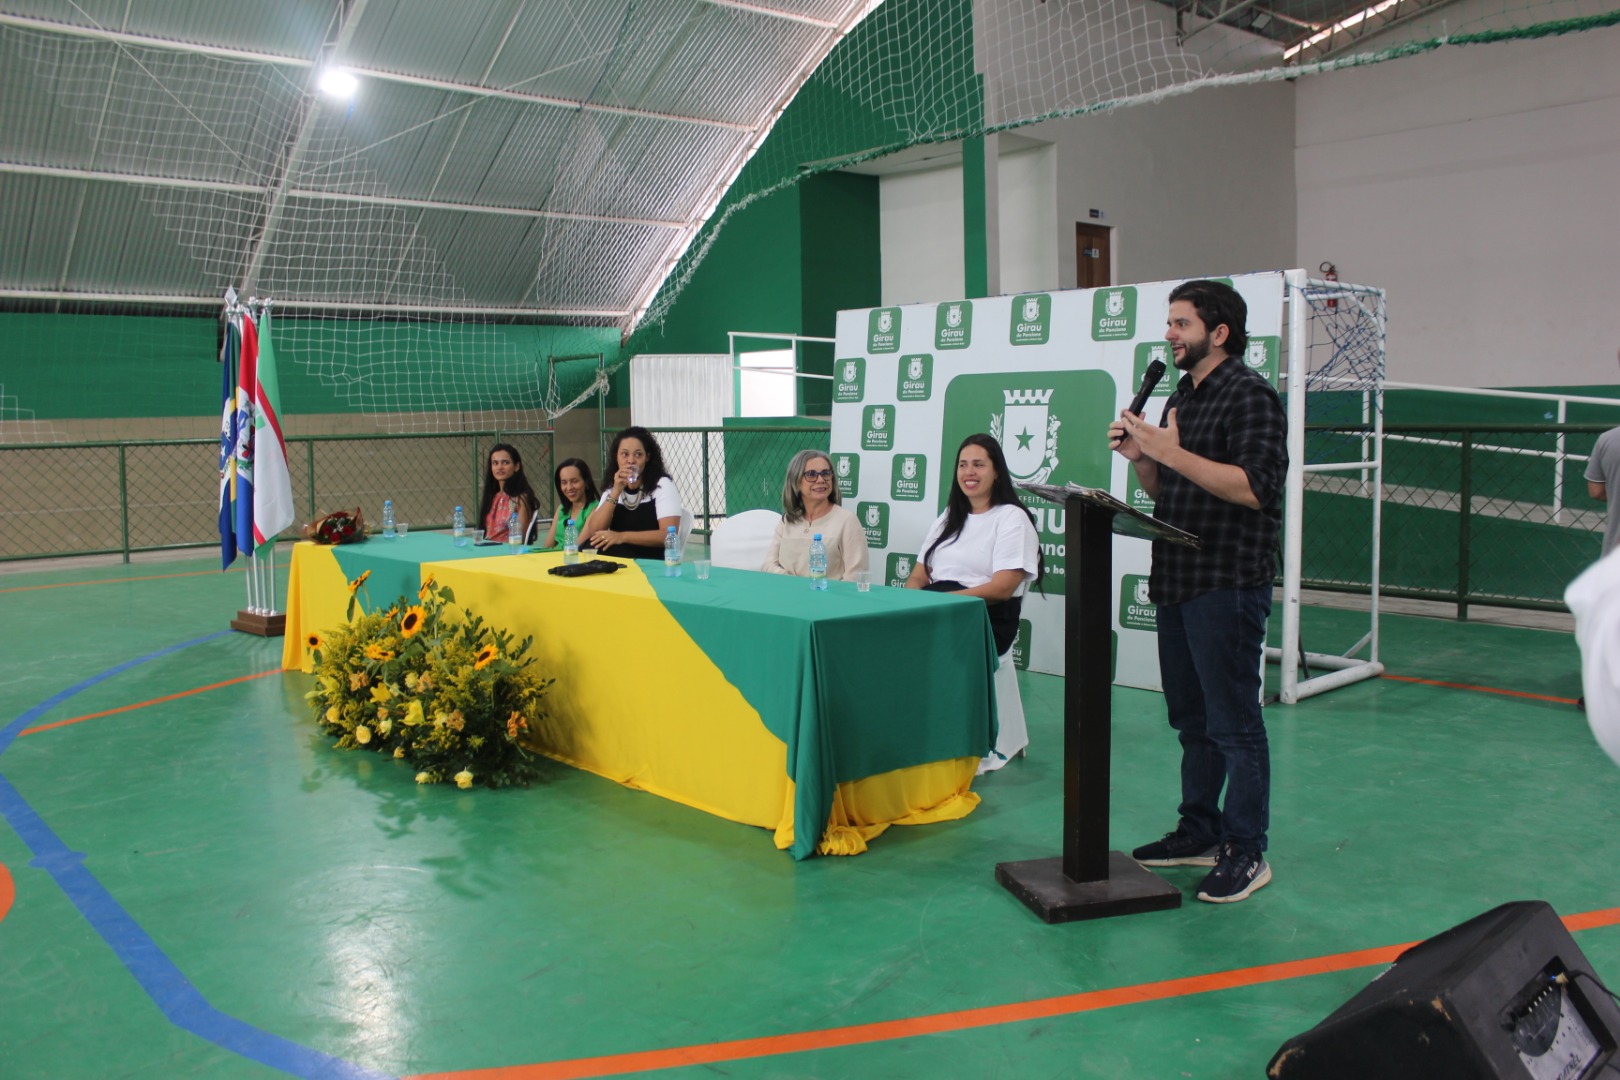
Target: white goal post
1335,362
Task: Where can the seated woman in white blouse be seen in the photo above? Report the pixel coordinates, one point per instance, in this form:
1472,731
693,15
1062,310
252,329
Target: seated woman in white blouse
810,505
985,545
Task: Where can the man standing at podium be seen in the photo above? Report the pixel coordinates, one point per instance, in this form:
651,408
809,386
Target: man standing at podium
1214,466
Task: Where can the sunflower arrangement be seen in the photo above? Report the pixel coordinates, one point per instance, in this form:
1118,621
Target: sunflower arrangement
430,683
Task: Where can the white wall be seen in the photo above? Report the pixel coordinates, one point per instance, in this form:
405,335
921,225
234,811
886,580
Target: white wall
1479,186
1201,184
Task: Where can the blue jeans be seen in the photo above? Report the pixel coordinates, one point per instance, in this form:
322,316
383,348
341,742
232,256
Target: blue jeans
1209,659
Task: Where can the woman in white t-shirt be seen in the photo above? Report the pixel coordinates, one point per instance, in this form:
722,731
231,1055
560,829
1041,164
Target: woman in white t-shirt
641,502
984,544
810,508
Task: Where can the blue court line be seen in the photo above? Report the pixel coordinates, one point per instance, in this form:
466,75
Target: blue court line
167,986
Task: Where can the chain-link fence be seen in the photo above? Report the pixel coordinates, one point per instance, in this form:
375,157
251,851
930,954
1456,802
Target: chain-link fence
124,497
724,471
1471,513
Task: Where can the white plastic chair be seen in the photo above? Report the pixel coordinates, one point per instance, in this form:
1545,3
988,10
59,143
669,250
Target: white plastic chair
1013,735
742,540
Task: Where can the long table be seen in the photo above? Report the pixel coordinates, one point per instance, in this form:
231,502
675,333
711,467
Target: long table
746,695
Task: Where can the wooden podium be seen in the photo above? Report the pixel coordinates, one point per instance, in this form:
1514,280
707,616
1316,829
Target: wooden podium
1088,881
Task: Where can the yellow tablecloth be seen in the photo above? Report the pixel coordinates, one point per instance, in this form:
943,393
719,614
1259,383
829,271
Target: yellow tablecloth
639,701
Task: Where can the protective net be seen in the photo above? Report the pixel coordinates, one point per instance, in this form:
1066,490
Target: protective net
441,256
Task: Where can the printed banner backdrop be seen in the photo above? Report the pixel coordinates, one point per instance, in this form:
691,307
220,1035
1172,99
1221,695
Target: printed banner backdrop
1045,373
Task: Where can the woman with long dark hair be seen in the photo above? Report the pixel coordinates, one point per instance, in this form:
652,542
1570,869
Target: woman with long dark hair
985,545
576,498
641,502
506,488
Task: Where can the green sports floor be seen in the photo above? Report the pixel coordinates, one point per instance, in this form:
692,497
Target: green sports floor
193,883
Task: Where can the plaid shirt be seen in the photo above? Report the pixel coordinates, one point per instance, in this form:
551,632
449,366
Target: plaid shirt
1233,417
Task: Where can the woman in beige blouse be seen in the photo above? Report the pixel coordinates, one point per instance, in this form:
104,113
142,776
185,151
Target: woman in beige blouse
810,506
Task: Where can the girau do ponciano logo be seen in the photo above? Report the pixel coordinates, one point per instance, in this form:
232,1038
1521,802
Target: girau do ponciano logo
850,384
909,479
1031,319
916,377
1136,609
847,473
883,330
874,519
1113,313
953,325
899,568
877,428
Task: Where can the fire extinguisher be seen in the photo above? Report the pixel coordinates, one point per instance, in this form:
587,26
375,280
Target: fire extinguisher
1330,273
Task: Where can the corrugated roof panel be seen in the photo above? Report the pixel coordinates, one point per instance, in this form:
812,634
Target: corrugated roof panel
453,42
675,65
283,28
134,240
585,264
628,167
562,49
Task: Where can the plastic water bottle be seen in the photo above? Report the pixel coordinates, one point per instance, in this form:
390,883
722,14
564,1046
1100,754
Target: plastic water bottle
818,564
672,553
514,538
388,519
570,541
459,527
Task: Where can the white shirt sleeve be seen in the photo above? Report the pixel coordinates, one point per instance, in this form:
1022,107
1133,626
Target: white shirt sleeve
667,498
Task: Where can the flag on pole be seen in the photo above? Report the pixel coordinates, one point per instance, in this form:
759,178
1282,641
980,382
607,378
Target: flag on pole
247,378
272,481
229,433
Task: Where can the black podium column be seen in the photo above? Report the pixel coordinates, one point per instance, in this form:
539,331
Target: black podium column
1088,881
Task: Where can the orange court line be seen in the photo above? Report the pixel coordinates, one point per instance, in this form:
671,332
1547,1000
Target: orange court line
112,581
937,1023
1481,689
8,891
144,704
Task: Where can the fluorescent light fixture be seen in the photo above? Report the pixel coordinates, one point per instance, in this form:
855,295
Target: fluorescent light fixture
338,83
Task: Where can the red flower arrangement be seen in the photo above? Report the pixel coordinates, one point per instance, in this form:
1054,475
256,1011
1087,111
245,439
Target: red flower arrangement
338,527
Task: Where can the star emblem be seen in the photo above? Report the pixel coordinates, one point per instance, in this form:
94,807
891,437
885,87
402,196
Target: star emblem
1023,439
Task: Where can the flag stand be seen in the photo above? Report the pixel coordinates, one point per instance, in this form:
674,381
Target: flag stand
255,488
260,616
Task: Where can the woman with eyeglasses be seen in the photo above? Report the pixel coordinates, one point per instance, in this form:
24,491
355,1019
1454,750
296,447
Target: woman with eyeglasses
641,502
810,505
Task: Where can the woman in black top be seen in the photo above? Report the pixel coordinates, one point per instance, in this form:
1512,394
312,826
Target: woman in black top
641,502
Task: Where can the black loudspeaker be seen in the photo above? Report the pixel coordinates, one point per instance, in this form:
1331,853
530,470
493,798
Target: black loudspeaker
1500,996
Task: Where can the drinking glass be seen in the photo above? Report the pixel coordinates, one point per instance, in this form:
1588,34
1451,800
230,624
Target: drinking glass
863,581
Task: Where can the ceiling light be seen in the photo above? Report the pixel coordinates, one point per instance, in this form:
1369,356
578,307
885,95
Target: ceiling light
339,84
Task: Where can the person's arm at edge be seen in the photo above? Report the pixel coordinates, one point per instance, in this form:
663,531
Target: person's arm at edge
852,541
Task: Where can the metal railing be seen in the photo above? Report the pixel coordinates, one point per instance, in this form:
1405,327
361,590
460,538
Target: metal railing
100,498
1493,514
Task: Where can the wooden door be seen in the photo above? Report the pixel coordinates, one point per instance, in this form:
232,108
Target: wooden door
1093,259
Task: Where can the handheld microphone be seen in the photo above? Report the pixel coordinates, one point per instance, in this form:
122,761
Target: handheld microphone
1150,379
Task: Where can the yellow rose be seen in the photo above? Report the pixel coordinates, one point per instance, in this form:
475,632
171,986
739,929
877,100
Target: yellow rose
399,751
359,680
386,726
332,715
424,778
410,680
362,734
464,779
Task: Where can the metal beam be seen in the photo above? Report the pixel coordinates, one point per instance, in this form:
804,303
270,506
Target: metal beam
212,302
317,195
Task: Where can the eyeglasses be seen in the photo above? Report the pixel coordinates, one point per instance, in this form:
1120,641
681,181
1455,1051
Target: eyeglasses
818,474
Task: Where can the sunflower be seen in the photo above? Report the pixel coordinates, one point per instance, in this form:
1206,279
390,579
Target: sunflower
376,651
412,621
354,586
426,590
485,657
313,640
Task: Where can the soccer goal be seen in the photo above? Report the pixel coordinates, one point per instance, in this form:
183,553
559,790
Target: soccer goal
1335,394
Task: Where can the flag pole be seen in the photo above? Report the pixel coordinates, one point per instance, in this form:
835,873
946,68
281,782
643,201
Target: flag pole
264,504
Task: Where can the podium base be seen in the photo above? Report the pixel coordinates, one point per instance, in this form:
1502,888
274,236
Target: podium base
1128,889
253,622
